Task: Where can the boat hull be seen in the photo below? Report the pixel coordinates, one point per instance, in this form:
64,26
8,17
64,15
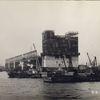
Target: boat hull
13,74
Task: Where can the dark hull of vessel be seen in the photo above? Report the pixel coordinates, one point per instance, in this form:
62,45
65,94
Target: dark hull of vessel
70,80
23,75
55,78
58,79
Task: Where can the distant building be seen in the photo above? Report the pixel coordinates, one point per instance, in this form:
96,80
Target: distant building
24,61
59,50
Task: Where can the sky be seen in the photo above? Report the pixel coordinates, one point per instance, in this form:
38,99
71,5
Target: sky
22,24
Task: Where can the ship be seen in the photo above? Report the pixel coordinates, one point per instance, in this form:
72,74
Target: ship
60,60
59,77
23,74
27,65
83,73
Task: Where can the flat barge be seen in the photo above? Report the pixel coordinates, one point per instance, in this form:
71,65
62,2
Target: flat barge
93,75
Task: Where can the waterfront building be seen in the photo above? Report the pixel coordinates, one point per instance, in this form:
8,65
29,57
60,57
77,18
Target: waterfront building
24,61
59,50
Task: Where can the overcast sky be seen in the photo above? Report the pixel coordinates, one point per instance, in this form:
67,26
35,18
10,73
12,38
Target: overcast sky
22,24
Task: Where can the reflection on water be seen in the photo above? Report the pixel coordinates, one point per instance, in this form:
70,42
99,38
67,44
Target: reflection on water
60,92
36,89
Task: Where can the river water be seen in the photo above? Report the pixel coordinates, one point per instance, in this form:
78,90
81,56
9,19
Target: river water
36,89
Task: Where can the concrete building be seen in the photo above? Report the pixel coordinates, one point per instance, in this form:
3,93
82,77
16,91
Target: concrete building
27,60
59,50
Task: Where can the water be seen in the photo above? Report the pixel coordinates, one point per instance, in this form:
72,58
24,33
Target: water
36,89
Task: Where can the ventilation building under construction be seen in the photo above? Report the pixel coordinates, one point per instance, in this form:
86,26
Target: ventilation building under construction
59,50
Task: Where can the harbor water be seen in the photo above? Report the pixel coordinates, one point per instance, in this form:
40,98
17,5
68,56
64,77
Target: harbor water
36,89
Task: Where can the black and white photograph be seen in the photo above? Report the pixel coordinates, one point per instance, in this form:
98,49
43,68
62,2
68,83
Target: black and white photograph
49,50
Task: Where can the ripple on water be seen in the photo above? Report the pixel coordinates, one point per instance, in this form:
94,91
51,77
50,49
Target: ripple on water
35,89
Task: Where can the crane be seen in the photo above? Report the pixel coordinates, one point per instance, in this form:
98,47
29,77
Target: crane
89,59
37,60
94,62
34,47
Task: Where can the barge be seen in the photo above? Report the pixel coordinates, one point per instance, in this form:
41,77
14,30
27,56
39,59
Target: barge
27,65
60,60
